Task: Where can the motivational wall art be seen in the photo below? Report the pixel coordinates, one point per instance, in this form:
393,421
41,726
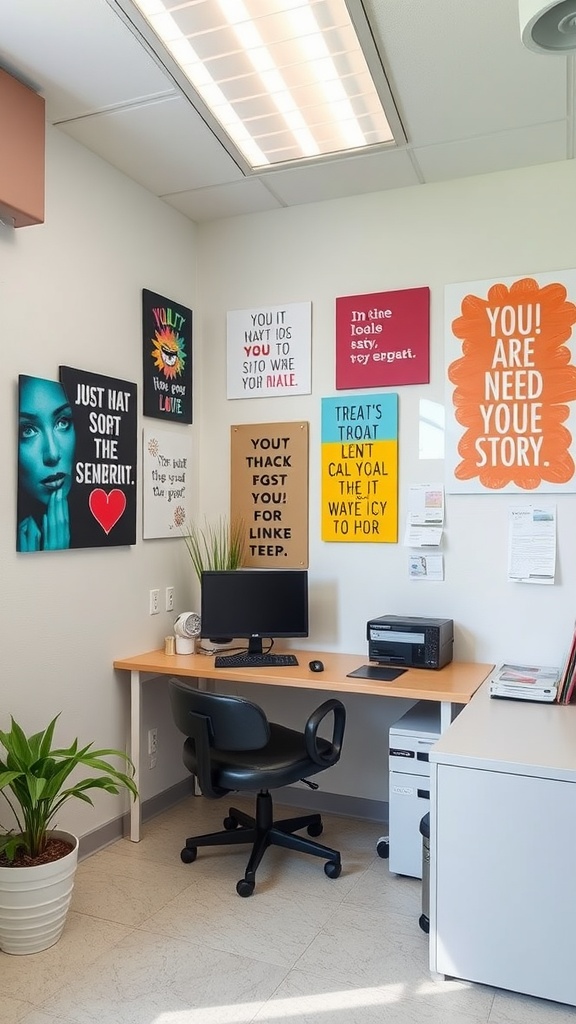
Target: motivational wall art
269,351
166,490
105,414
360,469
512,379
76,462
383,339
269,492
167,358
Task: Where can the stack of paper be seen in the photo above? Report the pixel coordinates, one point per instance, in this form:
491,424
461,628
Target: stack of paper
566,687
525,682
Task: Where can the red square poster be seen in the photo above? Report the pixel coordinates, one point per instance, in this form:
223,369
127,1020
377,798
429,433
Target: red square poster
383,339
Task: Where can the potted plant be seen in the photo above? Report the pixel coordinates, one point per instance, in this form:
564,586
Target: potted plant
215,546
38,862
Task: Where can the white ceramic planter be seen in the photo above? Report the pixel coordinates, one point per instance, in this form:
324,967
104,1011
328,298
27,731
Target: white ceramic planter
34,902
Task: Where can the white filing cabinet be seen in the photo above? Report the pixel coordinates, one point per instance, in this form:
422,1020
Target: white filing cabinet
410,740
502,841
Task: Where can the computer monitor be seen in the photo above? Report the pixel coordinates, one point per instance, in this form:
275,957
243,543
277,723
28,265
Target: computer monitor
254,604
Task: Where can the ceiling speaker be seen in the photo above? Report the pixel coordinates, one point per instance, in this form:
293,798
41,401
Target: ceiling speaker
548,27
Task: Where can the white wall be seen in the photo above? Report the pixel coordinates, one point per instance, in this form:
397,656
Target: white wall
70,293
507,224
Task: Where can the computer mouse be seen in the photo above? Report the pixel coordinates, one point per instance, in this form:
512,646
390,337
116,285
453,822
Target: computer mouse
316,666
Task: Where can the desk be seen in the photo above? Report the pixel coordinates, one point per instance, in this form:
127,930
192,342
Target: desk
454,684
502,839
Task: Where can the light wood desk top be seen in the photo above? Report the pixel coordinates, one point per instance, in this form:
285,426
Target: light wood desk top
455,683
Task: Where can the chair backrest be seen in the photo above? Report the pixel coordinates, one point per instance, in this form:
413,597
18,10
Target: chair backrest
233,722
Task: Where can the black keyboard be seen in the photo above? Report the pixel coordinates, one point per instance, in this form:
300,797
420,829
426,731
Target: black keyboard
254,660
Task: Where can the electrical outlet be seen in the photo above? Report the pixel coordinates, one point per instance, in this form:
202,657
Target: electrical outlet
152,741
154,602
169,599
152,761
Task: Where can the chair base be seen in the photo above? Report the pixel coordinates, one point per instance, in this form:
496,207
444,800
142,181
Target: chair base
262,831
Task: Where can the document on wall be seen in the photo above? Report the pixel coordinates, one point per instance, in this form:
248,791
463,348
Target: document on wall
426,567
425,518
532,544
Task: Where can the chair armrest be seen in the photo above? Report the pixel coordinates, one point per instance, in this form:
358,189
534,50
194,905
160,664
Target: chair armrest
311,730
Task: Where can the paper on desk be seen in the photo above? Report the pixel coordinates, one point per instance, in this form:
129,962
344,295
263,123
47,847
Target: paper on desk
532,544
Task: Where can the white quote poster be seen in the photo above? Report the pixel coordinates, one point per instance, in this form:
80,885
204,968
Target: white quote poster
166,488
269,351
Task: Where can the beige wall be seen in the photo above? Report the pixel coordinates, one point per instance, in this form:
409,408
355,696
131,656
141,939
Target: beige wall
505,224
70,293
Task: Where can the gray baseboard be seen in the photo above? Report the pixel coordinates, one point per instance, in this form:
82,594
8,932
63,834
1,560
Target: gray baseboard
120,827
292,796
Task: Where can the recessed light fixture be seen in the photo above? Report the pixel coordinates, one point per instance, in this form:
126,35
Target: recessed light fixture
286,80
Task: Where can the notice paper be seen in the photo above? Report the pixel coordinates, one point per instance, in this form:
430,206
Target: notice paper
532,544
426,567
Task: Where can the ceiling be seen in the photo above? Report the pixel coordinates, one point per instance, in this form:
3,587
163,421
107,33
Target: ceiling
471,99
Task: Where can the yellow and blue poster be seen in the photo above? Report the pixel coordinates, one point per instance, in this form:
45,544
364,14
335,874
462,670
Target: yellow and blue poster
360,469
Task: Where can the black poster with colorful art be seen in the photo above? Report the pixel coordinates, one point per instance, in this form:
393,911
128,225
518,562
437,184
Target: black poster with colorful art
104,487
167,358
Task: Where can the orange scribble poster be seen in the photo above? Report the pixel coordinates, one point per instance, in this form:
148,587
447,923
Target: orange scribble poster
512,379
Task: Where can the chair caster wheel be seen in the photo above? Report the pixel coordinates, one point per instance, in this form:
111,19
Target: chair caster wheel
245,887
383,847
424,923
189,854
332,868
315,830
230,823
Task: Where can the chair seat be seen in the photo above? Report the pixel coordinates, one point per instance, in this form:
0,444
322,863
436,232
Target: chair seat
282,761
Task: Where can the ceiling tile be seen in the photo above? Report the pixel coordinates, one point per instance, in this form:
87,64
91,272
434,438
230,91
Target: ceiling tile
333,179
521,148
459,70
205,204
163,145
78,53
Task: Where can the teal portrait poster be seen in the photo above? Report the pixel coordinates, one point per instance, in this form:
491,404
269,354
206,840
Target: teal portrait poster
77,465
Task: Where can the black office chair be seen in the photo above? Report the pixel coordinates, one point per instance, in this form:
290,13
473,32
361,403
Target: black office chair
231,746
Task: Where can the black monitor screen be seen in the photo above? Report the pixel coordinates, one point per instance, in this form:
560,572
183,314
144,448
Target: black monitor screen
254,604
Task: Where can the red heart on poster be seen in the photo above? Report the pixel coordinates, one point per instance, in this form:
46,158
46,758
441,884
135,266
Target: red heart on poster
107,508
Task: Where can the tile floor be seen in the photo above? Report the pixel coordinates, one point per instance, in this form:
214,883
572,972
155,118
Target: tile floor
150,940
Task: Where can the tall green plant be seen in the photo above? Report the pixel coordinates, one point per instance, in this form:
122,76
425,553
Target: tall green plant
215,546
36,777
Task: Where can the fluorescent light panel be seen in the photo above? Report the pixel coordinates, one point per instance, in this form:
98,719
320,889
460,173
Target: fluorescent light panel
286,79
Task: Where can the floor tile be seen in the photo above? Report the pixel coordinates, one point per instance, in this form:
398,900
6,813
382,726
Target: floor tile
272,928
40,975
158,979
511,1008
312,1000
150,940
114,888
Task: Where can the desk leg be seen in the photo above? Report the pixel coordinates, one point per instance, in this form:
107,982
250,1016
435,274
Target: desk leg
445,714
135,702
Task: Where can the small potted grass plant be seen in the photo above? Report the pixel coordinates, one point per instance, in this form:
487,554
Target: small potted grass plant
38,862
215,546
